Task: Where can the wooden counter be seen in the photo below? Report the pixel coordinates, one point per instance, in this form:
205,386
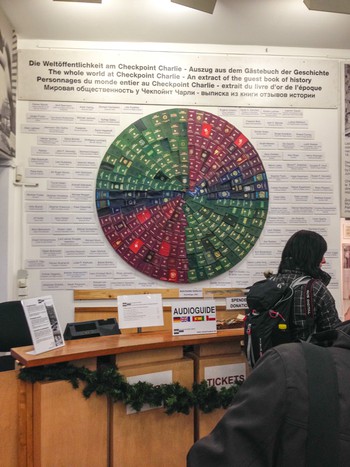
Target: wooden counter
113,345
57,426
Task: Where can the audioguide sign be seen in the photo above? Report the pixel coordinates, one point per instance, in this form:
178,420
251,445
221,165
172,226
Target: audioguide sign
194,317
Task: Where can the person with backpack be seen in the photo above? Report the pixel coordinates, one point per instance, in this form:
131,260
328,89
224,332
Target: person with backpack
292,411
293,304
303,255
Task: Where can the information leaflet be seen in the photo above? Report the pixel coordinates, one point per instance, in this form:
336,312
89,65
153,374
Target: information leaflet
43,323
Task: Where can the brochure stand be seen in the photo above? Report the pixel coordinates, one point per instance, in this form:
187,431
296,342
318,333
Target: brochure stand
43,323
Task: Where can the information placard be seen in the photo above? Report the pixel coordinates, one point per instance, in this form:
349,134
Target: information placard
43,323
194,317
138,311
236,303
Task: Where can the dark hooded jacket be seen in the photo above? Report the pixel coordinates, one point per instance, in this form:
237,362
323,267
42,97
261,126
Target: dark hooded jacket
267,424
324,308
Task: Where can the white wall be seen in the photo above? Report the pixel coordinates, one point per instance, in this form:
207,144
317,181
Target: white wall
324,124
4,237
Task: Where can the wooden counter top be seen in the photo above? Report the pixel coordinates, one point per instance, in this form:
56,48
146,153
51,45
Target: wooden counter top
118,344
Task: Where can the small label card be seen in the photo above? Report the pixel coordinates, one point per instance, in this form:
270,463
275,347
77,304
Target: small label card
236,303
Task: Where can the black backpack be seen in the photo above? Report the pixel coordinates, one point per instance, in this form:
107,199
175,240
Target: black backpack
268,318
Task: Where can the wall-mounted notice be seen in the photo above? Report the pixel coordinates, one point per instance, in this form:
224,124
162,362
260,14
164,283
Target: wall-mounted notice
168,78
346,231
194,317
345,198
138,311
43,323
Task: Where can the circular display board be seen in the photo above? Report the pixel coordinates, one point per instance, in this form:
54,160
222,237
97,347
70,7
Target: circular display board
182,195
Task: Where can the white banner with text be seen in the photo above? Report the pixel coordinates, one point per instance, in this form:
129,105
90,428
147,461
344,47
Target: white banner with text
166,78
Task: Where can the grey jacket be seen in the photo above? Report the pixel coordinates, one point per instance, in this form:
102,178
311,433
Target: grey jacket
267,424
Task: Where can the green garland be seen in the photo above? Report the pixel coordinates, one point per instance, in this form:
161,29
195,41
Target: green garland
109,382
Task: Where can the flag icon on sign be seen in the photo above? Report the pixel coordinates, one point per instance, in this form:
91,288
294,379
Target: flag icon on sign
210,318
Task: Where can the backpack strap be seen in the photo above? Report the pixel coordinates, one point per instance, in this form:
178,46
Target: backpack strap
308,301
299,281
309,307
323,425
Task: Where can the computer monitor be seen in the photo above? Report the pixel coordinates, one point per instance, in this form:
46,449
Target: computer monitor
14,330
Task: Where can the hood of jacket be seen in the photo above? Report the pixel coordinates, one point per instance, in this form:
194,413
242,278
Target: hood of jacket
288,267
